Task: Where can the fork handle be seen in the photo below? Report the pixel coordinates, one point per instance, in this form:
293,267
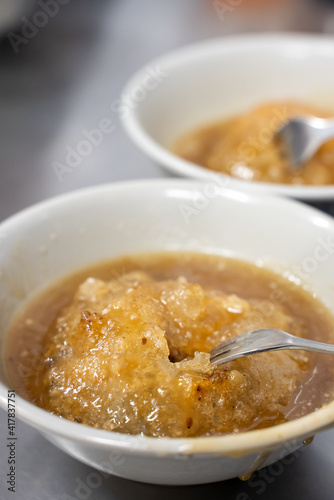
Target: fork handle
311,345
325,129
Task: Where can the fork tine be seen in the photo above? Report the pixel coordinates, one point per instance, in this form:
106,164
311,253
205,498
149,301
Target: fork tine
264,340
234,341
230,349
228,355
219,354
223,345
241,345
226,358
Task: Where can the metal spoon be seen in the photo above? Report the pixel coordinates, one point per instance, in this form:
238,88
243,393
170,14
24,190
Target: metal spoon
264,340
300,138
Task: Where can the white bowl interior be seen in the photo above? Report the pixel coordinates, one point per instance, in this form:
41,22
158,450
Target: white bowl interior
225,77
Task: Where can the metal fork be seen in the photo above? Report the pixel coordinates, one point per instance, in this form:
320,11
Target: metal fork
300,138
267,339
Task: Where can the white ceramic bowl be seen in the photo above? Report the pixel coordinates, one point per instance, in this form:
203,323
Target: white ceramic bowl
64,234
219,78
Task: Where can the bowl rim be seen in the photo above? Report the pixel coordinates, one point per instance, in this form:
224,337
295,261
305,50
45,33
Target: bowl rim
180,57
233,445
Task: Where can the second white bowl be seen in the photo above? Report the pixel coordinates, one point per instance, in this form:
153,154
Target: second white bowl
219,78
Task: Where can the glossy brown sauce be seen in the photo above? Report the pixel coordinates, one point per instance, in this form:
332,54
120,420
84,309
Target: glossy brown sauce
155,324
244,147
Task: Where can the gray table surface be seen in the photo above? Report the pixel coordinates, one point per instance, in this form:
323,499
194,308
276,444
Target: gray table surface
63,80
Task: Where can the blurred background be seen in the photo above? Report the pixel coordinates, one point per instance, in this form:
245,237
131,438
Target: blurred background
64,62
